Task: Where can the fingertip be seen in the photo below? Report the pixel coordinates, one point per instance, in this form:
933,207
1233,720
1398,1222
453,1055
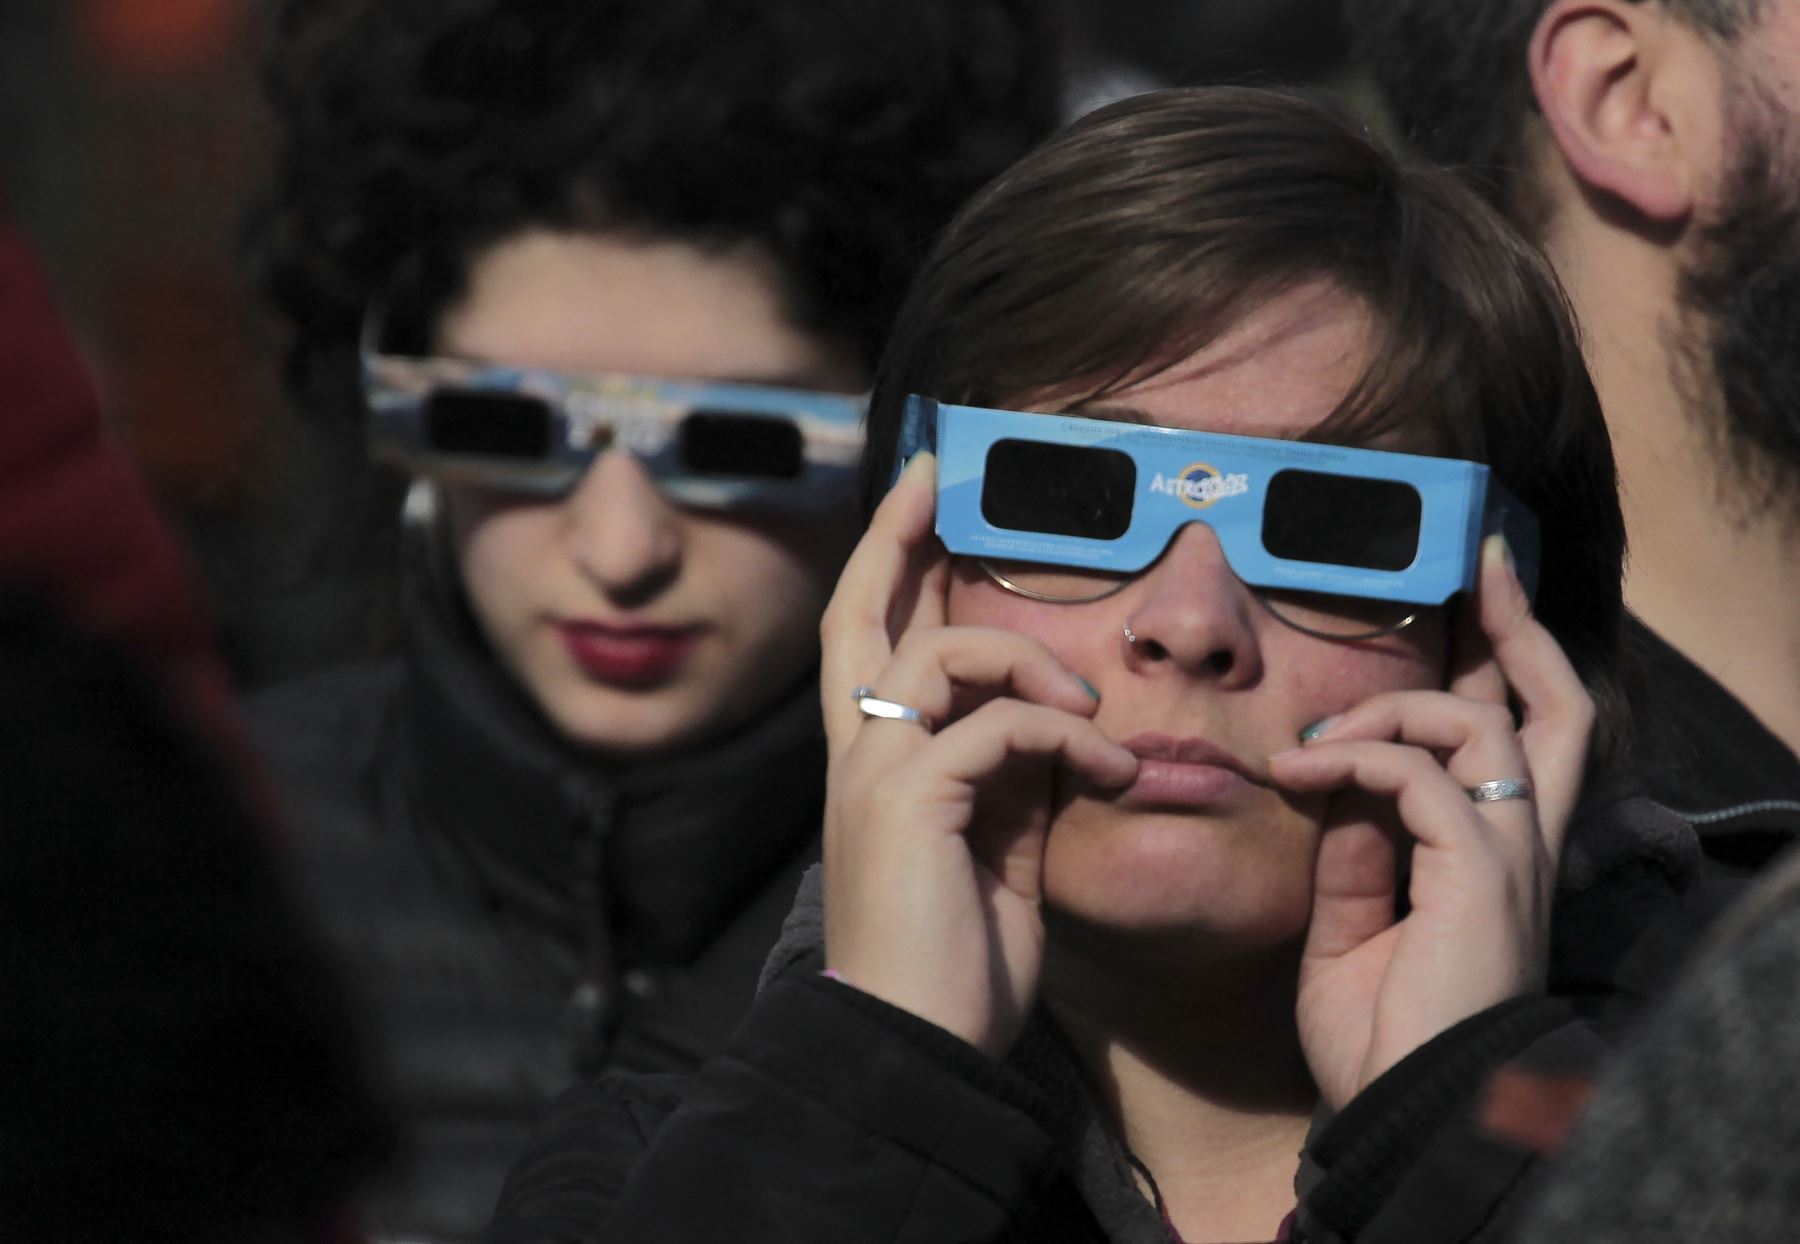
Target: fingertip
1499,570
1496,549
1501,606
1124,765
1105,762
921,466
908,509
1305,767
1319,729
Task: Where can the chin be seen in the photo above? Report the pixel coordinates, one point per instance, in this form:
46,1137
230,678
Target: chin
1232,884
627,725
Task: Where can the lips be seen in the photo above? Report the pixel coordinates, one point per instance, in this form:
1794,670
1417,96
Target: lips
628,657
1184,772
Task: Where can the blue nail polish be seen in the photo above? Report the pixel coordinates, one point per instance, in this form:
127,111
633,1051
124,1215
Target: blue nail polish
1317,729
1093,691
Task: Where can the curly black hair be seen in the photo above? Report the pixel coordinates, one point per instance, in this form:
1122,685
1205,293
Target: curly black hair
838,134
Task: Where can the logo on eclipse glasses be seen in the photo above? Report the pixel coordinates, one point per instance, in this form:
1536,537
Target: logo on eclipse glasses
1200,485
618,411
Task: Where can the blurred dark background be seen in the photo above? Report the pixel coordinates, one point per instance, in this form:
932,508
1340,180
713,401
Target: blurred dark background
132,138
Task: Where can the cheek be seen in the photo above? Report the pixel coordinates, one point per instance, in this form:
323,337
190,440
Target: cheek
1067,630
1333,677
759,576
819,543
497,542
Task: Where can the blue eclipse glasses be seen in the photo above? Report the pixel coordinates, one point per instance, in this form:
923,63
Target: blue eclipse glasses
1061,507
532,430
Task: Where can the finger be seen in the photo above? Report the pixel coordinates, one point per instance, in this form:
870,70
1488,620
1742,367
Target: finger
1354,888
941,671
1474,673
1002,730
1476,737
1434,809
1558,711
855,639
987,662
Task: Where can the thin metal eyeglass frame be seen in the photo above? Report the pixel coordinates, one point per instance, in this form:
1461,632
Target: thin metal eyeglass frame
1273,612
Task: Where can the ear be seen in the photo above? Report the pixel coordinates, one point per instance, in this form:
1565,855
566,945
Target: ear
1616,82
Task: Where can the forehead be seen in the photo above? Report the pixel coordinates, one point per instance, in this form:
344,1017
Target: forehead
617,303
1277,371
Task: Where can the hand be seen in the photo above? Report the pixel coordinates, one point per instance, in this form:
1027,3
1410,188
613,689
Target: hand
1373,988
934,832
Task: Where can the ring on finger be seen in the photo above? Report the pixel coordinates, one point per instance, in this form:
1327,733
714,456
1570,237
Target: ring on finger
873,705
1501,788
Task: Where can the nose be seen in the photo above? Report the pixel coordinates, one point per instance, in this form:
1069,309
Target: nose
623,534
1194,614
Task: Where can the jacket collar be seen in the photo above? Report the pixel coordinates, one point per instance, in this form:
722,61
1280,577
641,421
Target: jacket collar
642,862
1700,751
1089,1149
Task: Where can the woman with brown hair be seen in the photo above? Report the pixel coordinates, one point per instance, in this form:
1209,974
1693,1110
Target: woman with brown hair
1187,854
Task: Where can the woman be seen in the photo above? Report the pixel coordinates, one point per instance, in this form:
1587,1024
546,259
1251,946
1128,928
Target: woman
1148,893
560,834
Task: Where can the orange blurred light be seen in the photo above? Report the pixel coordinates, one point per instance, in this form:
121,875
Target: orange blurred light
159,36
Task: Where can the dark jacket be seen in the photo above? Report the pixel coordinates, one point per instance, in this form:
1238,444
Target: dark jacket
1701,752
834,1117
516,916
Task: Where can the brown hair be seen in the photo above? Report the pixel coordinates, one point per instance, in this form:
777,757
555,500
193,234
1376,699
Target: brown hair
1138,234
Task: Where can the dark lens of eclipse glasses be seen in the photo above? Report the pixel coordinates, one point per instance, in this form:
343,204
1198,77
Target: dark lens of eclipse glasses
1061,490
1310,516
1341,520
492,425
728,443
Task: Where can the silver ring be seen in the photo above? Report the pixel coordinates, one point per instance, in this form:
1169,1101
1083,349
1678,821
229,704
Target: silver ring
1129,637
873,705
1503,788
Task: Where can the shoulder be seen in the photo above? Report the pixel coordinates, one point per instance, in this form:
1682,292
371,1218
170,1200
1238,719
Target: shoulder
327,698
597,1128
330,742
574,1170
320,719
829,1115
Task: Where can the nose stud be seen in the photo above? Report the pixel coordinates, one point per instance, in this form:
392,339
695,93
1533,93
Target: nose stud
1144,649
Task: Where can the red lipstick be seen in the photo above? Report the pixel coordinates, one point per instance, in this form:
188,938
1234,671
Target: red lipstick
629,657
1184,772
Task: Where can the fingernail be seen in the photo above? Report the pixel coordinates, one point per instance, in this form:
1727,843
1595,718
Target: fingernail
1496,546
1318,728
1093,691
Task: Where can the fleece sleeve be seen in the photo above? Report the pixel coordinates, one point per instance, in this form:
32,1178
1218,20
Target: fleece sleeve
829,1116
1410,1161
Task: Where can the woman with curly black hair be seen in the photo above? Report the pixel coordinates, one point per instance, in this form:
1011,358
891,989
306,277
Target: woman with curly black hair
611,274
